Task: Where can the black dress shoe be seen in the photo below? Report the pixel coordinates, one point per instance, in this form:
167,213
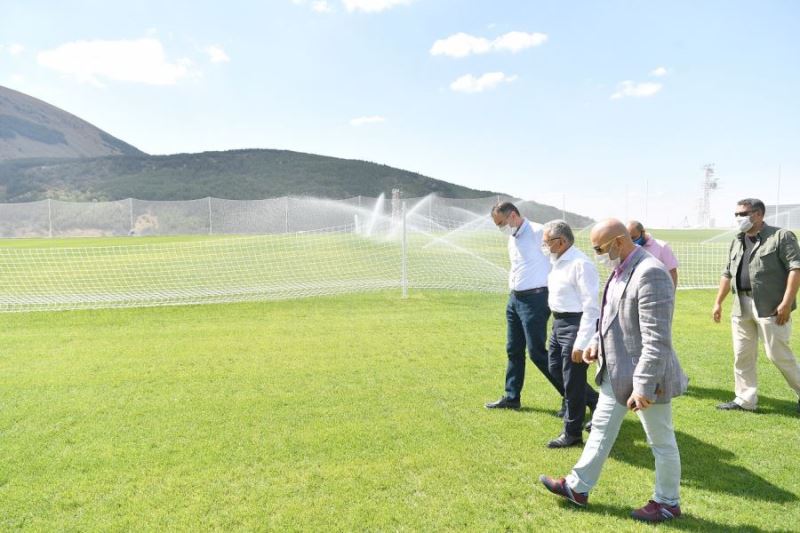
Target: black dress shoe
733,406
504,403
565,441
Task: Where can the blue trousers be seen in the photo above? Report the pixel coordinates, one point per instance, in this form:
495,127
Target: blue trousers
526,318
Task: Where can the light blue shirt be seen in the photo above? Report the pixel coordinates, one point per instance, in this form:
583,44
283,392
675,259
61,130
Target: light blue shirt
529,266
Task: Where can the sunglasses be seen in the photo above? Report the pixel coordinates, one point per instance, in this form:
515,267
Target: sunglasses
599,249
743,214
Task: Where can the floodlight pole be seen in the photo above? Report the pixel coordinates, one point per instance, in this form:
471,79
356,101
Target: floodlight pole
404,251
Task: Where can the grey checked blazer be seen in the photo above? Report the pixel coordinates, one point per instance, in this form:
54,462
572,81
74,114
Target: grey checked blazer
636,343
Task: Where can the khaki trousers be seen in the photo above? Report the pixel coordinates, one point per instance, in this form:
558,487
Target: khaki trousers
746,331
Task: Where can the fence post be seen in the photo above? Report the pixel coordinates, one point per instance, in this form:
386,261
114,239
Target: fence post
49,218
286,215
404,251
210,223
130,211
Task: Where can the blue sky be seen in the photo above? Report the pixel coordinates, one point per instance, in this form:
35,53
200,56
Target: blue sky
609,108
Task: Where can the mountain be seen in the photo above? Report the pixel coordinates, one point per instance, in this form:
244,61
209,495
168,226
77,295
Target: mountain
47,153
32,128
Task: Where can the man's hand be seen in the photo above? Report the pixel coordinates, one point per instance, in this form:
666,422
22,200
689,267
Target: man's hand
637,401
589,354
716,312
782,313
577,356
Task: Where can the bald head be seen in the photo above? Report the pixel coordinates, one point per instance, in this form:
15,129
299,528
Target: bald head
635,229
609,231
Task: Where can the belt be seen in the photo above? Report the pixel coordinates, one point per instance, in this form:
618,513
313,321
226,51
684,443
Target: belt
528,292
566,315
746,292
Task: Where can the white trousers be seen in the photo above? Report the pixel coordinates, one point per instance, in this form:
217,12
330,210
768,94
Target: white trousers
657,423
746,331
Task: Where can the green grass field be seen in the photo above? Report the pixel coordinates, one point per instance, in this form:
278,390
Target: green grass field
356,412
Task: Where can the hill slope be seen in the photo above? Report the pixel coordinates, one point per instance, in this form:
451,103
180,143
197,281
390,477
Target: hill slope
32,128
235,174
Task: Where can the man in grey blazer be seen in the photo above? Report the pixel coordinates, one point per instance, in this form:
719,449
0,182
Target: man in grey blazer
637,370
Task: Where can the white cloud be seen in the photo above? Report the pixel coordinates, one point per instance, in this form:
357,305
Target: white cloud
659,72
138,61
373,6
516,41
637,90
321,6
463,44
460,45
15,49
360,121
17,78
216,54
470,84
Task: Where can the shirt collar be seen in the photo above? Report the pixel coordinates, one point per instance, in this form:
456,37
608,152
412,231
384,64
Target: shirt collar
521,228
618,271
567,255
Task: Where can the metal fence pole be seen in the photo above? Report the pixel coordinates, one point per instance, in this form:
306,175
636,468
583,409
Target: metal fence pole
404,251
130,210
210,223
49,218
286,215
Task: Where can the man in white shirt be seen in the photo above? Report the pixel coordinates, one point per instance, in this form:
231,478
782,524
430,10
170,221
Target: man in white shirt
527,311
573,286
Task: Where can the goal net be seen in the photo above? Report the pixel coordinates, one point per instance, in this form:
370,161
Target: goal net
283,248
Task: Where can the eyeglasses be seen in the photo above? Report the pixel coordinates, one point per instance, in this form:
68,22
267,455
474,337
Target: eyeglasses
743,214
548,241
599,249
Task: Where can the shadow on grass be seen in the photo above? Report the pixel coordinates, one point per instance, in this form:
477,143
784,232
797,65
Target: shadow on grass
686,522
703,465
766,405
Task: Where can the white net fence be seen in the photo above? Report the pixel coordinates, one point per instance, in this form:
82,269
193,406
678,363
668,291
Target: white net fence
281,248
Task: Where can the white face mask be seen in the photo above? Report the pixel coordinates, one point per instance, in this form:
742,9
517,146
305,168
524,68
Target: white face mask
547,253
744,223
606,261
507,230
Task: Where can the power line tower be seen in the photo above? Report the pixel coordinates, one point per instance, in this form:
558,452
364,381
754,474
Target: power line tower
710,183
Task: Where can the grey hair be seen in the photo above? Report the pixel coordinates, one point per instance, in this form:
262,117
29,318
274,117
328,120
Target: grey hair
559,228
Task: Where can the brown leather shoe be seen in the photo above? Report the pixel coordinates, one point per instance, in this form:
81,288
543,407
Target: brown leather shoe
560,488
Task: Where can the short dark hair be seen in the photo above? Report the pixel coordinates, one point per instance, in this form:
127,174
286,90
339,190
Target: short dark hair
637,225
753,203
505,208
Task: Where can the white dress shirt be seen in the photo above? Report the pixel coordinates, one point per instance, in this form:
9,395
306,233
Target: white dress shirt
529,266
574,287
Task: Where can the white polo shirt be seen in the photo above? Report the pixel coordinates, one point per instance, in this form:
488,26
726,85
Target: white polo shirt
574,287
529,266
